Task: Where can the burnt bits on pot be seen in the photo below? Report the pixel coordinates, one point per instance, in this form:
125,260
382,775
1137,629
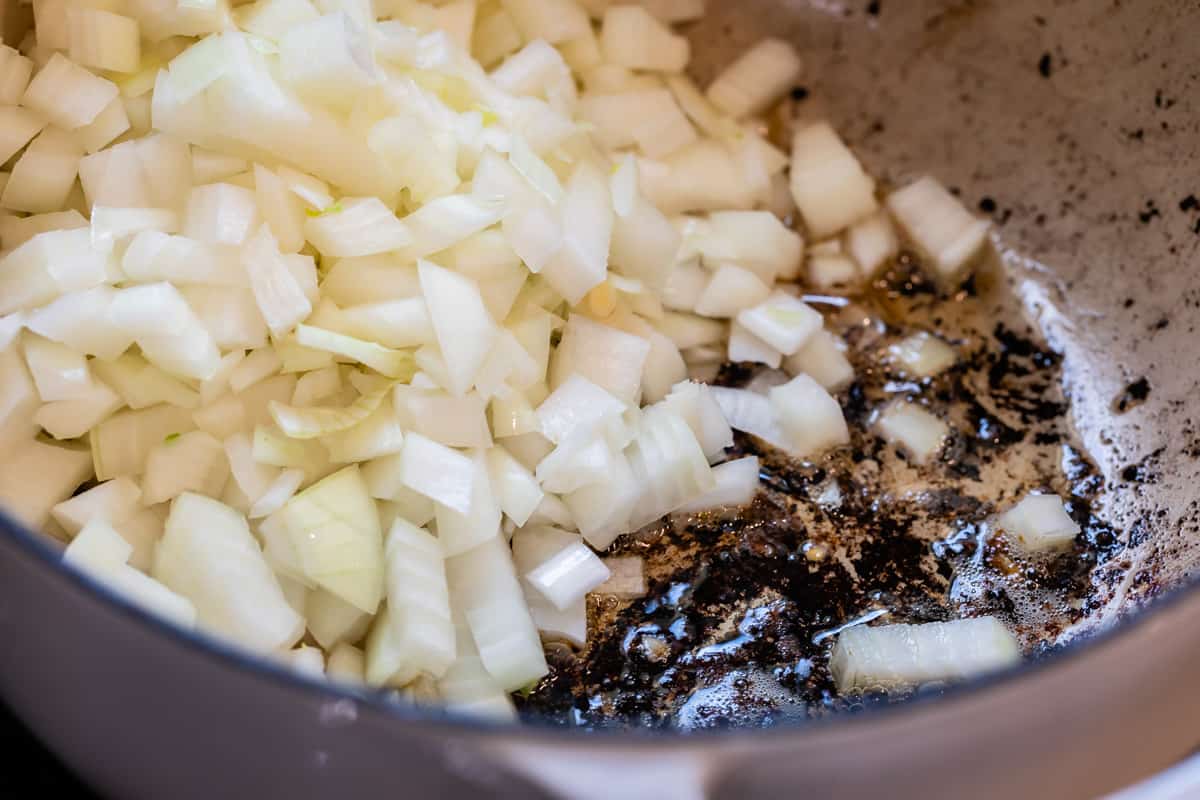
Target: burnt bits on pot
738,621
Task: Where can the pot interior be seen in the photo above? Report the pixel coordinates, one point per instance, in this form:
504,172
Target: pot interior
1074,131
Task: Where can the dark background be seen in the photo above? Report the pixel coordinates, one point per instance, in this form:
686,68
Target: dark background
27,769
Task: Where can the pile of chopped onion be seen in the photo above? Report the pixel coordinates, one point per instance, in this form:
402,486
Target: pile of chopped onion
353,335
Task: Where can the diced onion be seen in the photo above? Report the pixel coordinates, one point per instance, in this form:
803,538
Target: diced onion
1039,522
916,431
810,418
901,656
943,230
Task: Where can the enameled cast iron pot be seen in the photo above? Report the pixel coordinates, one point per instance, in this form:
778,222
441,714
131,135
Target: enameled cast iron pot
1082,119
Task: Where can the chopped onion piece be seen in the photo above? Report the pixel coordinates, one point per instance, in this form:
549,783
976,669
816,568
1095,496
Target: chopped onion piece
209,556
822,358
782,321
36,476
380,434
417,630
332,620
189,462
609,358
668,463
81,321
918,432
103,40
731,290
356,227
453,421
581,262
67,94
279,492
554,21
59,373
872,243
754,240
943,230
485,589
811,419
902,656
828,184
120,445
749,412
50,264
311,422
170,334
16,231
576,405
460,531
70,419
631,37
736,485
922,355
1039,522
112,225
535,545
327,60
280,297
756,78
744,346
465,330
568,576
43,175
346,664
101,552
828,272
443,475
467,687
15,71
334,528
517,491
627,579
396,364
110,501
696,404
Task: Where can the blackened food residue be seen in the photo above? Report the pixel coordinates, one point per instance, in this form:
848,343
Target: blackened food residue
1044,65
1131,396
735,629
1149,213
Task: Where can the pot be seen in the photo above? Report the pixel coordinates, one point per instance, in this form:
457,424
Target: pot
1080,121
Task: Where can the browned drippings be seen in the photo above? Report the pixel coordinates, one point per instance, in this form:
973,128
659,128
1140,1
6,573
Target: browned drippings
736,627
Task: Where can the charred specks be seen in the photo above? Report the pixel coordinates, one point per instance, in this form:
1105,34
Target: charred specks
1131,396
1162,323
1045,65
873,8
1189,203
987,205
1161,100
1149,213
799,93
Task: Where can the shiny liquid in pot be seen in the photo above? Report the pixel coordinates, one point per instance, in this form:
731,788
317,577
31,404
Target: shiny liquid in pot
743,608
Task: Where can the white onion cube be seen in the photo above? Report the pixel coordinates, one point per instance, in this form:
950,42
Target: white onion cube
828,184
782,321
756,78
916,431
1039,522
945,233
